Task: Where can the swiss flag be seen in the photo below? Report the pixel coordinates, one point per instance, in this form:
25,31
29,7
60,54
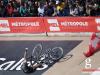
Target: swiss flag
94,45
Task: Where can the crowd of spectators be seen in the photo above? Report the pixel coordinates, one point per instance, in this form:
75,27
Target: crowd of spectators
51,8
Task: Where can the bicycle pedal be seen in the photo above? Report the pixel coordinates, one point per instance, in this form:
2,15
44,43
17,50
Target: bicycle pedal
51,61
42,58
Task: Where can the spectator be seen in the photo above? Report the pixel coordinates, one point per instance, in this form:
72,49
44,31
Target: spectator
23,8
74,10
2,9
41,9
49,10
35,11
16,6
80,8
9,9
66,11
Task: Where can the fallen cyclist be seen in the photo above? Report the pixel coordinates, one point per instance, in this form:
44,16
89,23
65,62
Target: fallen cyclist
29,68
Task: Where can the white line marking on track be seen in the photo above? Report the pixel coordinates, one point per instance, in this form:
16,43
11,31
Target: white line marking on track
96,72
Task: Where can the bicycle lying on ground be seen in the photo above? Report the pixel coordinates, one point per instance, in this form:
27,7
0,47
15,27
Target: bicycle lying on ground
40,56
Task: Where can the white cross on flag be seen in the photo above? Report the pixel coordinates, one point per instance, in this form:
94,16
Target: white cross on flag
94,45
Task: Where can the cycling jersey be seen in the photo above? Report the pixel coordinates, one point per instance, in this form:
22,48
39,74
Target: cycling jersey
26,68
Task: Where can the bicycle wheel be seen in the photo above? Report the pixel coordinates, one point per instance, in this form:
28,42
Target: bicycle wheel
56,53
47,59
37,52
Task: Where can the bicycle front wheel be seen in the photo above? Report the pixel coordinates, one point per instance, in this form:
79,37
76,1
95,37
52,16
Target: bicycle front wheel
36,53
56,53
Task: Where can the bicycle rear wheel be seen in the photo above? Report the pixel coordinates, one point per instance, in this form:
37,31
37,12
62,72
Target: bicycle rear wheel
37,52
56,53
47,59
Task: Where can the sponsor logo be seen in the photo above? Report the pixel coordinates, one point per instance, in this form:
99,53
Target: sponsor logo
14,65
54,25
89,68
16,24
97,20
4,25
74,24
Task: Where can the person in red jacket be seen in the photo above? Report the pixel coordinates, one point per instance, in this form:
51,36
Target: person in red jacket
94,45
9,9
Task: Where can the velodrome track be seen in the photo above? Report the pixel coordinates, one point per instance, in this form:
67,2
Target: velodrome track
73,66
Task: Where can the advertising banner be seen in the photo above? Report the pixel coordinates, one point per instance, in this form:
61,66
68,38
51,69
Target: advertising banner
49,24
22,25
70,24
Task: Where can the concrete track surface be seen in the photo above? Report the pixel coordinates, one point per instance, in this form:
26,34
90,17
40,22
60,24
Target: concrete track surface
73,66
